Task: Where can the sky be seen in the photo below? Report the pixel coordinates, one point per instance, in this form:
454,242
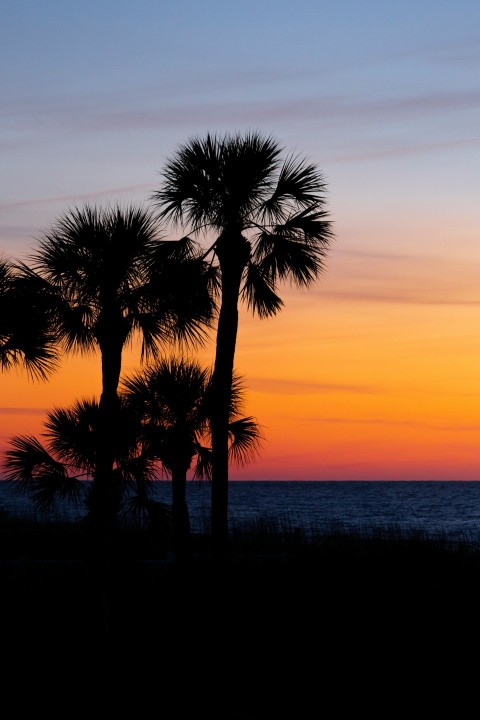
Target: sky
373,373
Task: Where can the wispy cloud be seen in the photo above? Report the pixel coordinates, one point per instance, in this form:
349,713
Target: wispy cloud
302,387
22,411
400,149
72,198
415,424
401,278
406,296
456,54
100,113
16,231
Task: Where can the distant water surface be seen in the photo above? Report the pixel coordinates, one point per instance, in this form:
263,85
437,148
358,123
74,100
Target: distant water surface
431,508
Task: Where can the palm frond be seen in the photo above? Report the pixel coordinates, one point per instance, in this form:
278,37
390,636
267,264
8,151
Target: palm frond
25,458
300,185
51,489
190,181
203,466
258,291
310,225
137,471
72,432
35,353
237,395
181,294
141,511
245,440
32,470
295,250
28,333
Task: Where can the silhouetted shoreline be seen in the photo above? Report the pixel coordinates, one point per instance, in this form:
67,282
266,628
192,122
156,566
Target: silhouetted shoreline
345,620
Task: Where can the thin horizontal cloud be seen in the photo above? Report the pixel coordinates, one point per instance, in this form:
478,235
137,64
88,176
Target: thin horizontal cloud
303,387
22,411
97,113
402,278
407,296
403,150
74,198
457,54
422,424
17,231
420,261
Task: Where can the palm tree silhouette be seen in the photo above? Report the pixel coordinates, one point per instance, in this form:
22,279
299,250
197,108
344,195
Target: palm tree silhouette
163,417
108,278
174,399
269,221
27,337
53,473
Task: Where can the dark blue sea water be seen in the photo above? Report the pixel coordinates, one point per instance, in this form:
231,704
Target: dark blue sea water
449,509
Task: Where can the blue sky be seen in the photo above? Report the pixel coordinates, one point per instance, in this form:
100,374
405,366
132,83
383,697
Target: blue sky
95,95
383,96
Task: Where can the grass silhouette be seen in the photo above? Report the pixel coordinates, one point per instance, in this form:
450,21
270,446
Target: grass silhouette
320,623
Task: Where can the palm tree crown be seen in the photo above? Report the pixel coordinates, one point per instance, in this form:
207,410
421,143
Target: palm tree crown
239,184
52,472
113,276
173,397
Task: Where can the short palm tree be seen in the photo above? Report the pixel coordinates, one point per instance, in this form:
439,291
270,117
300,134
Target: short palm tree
174,399
109,277
270,225
57,471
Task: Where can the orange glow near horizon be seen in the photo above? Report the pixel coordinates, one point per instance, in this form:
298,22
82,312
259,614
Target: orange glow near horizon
344,388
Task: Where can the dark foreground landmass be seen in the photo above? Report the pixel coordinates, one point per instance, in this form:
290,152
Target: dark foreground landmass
343,626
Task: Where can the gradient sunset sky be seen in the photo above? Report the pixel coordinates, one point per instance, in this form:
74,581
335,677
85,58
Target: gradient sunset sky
374,373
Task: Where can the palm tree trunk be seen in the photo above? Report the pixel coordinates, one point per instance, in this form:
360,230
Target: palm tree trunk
233,253
180,516
105,500
106,494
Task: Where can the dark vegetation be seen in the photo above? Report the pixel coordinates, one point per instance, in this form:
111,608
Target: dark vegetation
350,622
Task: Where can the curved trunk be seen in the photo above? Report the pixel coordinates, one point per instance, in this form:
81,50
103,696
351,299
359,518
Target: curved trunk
233,252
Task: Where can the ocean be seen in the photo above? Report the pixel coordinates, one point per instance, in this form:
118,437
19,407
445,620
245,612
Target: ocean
438,508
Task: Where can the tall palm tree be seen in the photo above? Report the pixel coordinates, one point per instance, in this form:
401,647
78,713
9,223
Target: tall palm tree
27,337
174,398
109,277
269,223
